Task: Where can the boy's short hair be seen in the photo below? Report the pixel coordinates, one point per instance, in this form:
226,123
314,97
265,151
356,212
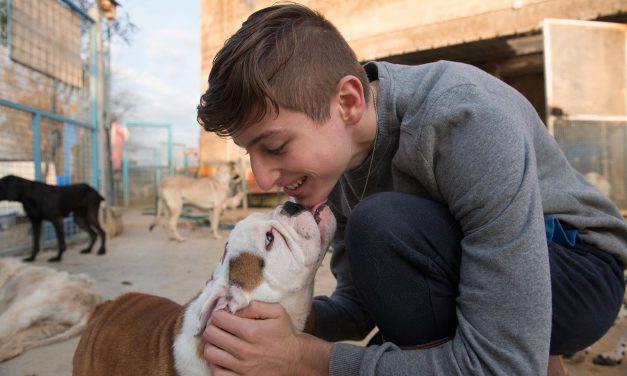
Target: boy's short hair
285,55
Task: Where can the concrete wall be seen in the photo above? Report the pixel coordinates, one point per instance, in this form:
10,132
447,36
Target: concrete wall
378,29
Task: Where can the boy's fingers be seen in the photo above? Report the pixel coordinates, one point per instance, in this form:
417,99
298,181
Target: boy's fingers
226,321
245,325
219,371
221,339
260,310
219,360
240,327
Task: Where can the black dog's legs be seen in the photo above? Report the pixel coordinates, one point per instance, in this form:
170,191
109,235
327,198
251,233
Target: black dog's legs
36,225
92,219
58,229
81,221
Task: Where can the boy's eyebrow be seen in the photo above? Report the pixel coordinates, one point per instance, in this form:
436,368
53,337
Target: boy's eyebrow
259,138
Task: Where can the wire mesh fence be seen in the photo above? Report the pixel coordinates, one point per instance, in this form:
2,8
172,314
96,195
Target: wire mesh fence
45,106
598,150
148,157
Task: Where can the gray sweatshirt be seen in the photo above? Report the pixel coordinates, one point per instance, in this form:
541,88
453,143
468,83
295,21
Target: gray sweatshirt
457,135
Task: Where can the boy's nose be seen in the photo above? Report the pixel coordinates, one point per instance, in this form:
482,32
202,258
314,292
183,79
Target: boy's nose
265,175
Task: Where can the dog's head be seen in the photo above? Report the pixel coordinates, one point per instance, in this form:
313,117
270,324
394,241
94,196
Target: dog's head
227,175
271,257
9,189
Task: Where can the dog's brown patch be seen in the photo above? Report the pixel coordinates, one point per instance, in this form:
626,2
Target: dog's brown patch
200,347
246,271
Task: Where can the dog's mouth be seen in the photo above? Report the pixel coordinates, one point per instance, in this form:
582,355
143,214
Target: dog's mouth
316,210
292,209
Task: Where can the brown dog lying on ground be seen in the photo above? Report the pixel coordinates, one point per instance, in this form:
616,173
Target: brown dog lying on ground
269,257
206,193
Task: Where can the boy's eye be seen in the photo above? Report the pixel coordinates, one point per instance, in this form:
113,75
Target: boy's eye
276,151
269,240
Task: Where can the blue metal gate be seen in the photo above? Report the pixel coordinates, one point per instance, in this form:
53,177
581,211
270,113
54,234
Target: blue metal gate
48,114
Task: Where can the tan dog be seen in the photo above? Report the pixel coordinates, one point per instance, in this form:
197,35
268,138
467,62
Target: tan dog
40,306
270,257
205,193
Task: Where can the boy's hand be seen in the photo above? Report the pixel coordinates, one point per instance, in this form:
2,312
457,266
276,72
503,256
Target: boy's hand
261,340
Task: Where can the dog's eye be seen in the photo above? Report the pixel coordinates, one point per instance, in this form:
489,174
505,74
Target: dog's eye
269,240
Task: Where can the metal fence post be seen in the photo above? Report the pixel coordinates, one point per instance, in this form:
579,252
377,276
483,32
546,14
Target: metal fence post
170,153
37,145
125,173
93,102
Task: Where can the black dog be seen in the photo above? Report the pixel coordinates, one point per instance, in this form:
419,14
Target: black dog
52,203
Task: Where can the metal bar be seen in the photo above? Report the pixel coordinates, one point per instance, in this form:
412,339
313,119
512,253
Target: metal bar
158,174
46,114
143,167
141,124
93,103
78,10
10,27
37,145
125,173
95,153
170,154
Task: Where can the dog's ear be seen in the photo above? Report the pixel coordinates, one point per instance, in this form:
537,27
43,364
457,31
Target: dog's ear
224,253
231,298
216,300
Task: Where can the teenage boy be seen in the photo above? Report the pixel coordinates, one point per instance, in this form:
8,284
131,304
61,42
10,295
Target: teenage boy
464,236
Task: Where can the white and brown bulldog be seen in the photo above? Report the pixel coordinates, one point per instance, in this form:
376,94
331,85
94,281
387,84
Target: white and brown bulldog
270,257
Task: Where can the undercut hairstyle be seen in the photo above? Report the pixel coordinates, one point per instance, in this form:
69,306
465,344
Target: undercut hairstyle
285,56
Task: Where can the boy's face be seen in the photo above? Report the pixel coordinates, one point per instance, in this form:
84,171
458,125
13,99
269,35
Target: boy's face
293,152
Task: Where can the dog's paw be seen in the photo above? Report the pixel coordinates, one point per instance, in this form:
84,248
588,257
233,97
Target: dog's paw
28,259
55,259
85,251
606,360
102,252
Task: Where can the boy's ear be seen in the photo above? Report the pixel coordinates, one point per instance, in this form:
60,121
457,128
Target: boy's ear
351,99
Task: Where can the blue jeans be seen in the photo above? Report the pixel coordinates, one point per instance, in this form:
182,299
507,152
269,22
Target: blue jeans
415,244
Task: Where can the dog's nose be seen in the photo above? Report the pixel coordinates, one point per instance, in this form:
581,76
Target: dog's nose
291,209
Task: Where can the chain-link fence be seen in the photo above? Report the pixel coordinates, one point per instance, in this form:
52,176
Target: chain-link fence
148,157
47,132
597,149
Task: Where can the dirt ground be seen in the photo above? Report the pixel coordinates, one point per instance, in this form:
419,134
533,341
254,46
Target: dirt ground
139,260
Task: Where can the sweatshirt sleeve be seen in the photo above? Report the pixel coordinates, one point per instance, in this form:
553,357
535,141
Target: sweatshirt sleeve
474,151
